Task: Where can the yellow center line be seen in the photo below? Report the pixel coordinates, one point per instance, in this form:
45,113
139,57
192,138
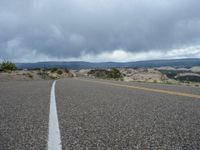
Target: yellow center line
146,89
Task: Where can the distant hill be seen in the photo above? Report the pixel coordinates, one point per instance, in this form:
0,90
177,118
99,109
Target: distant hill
88,65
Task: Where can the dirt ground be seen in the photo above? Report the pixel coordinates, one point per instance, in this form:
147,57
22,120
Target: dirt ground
21,75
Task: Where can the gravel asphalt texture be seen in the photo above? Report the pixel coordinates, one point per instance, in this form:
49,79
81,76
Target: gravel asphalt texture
24,114
99,116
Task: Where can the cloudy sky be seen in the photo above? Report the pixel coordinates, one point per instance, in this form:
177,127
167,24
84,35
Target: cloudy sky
99,30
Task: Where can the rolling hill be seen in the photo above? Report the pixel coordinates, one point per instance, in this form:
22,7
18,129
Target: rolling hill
86,65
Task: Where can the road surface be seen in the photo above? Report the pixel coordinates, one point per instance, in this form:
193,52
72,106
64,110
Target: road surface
98,114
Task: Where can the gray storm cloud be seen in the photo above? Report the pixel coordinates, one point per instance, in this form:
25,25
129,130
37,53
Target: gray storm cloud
55,29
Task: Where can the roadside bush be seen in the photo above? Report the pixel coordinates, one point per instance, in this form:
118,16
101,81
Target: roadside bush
105,74
99,73
7,66
169,73
115,74
54,70
43,75
188,78
59,72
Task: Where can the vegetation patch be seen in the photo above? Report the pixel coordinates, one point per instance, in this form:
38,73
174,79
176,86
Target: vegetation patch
114,73
44,75
7,66
188,78
59,72
54,70
169,73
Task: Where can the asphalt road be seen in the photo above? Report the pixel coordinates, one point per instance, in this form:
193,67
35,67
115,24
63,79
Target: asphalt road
24,115
96,115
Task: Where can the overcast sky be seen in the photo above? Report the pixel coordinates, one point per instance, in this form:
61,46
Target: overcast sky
99,30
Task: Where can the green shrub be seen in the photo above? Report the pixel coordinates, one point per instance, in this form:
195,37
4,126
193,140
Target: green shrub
115,74
7,66
105,74
59,72
169,73
54,70
189,78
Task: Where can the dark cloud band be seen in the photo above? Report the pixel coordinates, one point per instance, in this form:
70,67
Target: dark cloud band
67,28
